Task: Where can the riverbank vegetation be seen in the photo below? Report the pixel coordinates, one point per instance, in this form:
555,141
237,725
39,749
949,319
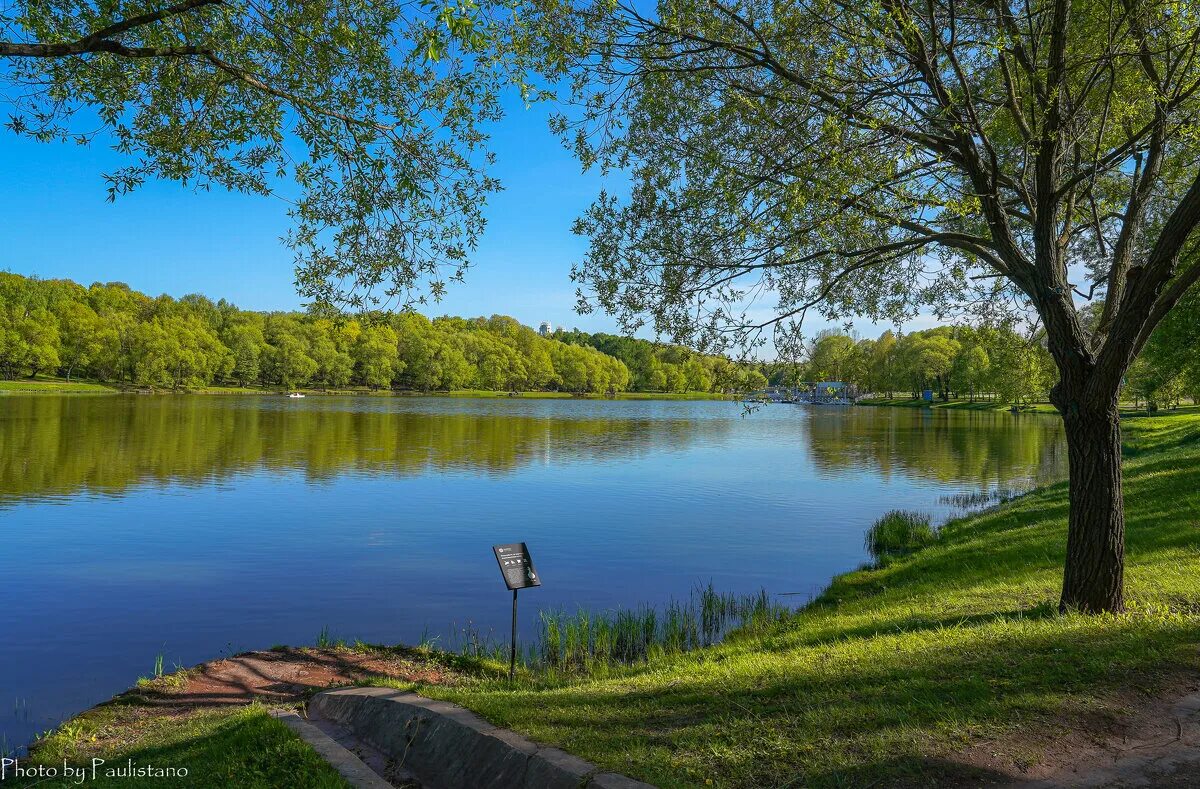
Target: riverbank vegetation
896,672
112,335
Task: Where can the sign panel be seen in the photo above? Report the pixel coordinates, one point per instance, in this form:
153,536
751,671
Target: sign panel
516,566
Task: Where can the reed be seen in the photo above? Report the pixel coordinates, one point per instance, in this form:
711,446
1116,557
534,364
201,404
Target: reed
585,640
898,533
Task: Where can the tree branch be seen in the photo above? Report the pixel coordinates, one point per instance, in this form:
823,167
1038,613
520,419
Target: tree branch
102,40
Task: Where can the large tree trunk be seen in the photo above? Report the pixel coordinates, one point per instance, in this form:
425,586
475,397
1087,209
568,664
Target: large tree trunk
1094,578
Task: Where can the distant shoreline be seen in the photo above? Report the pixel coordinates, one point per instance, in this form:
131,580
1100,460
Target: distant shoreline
959,404
1126,408
61,386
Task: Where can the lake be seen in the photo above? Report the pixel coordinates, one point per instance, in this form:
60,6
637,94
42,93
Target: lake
199,526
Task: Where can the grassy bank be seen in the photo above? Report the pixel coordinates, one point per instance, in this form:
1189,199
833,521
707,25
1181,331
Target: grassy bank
214,721
895,671
225,746
44,385
48,385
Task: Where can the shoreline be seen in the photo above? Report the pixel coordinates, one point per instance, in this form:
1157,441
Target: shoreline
55,387
1126,409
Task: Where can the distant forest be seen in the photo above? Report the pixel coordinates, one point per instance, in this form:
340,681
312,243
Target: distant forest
109,332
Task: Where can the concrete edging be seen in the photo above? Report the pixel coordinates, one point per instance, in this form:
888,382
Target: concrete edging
445,745
348,765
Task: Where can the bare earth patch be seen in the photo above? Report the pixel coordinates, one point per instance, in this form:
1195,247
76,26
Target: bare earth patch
1130,742
286,676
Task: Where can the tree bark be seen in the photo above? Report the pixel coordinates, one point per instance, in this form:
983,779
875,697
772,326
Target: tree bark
1094,578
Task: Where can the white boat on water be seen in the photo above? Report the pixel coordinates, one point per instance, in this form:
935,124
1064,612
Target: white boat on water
295,394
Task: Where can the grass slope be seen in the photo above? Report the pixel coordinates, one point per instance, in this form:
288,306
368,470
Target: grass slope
53,386
894,670
232,746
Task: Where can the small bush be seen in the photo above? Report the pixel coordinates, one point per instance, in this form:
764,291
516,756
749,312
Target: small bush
899,532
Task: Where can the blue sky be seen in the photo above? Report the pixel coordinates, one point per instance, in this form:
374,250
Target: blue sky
167,239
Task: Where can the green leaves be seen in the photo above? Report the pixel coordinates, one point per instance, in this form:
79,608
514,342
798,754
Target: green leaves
365,117
870,159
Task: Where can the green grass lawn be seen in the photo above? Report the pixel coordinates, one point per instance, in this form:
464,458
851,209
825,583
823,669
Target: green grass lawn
52,385
892,671
231,746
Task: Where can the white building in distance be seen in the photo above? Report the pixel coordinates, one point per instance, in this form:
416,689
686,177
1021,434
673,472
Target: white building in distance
545,328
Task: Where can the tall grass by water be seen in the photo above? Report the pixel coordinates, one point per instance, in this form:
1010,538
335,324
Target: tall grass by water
899,532
583,640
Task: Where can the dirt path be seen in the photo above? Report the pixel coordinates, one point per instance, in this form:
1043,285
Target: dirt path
1156,744
1161,749
284,679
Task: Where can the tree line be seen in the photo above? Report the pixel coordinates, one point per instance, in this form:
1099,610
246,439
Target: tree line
655,367
996,362
953,361
109,332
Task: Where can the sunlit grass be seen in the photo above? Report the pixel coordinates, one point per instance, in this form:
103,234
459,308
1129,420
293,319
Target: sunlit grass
52,386
230,746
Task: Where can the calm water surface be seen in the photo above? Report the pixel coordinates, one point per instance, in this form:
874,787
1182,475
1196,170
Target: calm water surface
196,526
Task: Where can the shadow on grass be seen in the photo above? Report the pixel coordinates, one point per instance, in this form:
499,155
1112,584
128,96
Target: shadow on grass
854,712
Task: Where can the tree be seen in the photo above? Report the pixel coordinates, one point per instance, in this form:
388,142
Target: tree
970,366
81,335
697,376
334,365
883,362
288,362
376,356
246,345
1171,355
753,380
386,99
879,158
831,357
28,340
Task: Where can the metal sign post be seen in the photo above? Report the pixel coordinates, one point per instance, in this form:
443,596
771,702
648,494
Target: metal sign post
518,572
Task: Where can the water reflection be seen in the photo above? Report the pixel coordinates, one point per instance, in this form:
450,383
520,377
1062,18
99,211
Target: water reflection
58,446
939,445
